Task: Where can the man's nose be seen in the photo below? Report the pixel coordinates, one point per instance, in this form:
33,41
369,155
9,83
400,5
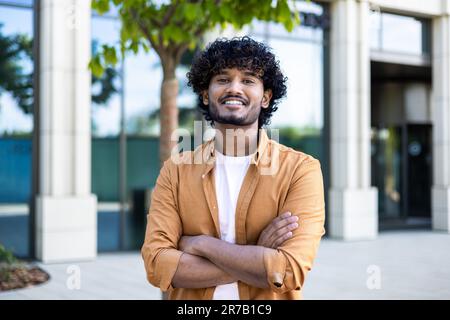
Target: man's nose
234,87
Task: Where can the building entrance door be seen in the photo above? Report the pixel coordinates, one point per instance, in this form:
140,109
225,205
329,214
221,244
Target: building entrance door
402,144
402,172
418,162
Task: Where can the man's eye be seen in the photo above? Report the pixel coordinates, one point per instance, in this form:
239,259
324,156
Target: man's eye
249,81
222,80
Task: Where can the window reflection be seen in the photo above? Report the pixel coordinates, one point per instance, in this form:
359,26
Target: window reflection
402,34
143,77
22,3
16,123
16,67
106,114
139,97
302,64
299,117
397,33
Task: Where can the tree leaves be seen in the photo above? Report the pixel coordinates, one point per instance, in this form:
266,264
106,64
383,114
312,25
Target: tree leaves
109,54
173,26
96,66
102,6
181,23
14,78
192,11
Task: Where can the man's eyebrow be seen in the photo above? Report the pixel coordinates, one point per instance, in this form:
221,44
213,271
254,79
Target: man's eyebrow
251,74
246,73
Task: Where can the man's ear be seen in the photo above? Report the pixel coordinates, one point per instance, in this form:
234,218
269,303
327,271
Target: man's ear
266,98
205,97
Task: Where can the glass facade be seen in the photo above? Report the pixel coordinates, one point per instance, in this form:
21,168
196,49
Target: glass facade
401,120
16,123
134,94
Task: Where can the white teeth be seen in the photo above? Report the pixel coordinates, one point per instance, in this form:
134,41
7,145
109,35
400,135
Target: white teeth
233,102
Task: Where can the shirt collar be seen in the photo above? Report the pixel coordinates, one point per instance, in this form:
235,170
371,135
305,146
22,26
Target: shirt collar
263,141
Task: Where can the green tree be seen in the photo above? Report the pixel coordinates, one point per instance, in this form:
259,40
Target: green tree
13,76
105,81
16,51
171,28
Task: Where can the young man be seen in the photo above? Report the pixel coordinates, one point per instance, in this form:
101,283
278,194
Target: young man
241,217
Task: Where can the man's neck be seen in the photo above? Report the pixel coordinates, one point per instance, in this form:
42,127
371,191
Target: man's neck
236,141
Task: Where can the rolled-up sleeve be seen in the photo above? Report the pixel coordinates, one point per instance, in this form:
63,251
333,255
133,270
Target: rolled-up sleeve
163,231
286,267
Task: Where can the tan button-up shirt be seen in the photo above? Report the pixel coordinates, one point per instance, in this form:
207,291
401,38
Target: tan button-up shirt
278,180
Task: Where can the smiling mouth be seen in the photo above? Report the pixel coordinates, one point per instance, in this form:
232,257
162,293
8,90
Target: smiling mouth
233,103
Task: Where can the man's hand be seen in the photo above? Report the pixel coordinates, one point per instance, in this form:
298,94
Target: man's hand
278,231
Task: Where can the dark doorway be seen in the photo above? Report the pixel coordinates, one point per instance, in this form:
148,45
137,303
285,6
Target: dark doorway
402,171
419,164
401,145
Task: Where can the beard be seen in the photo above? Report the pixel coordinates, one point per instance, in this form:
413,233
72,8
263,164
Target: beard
247,119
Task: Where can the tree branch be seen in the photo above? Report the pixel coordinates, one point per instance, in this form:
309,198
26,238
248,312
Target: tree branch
145,31
170,12
179,51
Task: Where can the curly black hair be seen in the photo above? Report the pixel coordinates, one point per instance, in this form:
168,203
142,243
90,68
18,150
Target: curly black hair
243,53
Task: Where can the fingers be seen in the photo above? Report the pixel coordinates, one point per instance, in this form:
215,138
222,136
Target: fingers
280,225
282,230
284,234
282,239
275,224
285,215
279,222
278,231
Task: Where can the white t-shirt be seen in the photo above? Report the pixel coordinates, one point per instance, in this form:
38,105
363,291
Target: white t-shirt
229,175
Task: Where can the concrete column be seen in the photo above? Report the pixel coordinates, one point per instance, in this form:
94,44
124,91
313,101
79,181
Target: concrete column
353,202
66,211
441,121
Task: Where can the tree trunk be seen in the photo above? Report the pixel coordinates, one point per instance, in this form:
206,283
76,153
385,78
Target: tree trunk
168,110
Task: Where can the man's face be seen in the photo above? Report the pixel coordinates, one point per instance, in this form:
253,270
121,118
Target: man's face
236,97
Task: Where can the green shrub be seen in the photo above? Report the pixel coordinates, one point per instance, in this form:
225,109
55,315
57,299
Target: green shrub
7,260
6,256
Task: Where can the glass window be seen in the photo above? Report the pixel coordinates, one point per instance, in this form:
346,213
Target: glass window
18,3
396,33
302,64
143,77
300,116
16,91
105,123
140,100
16,123
106,109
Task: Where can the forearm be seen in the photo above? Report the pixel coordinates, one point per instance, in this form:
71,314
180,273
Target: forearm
197,272
244,262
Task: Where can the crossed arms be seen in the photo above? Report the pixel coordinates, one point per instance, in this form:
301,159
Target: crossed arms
280,260
208,261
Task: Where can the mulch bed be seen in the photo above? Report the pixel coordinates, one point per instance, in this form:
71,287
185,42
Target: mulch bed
16,277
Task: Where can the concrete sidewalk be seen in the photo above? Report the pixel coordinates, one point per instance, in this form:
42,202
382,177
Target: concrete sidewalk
398,265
